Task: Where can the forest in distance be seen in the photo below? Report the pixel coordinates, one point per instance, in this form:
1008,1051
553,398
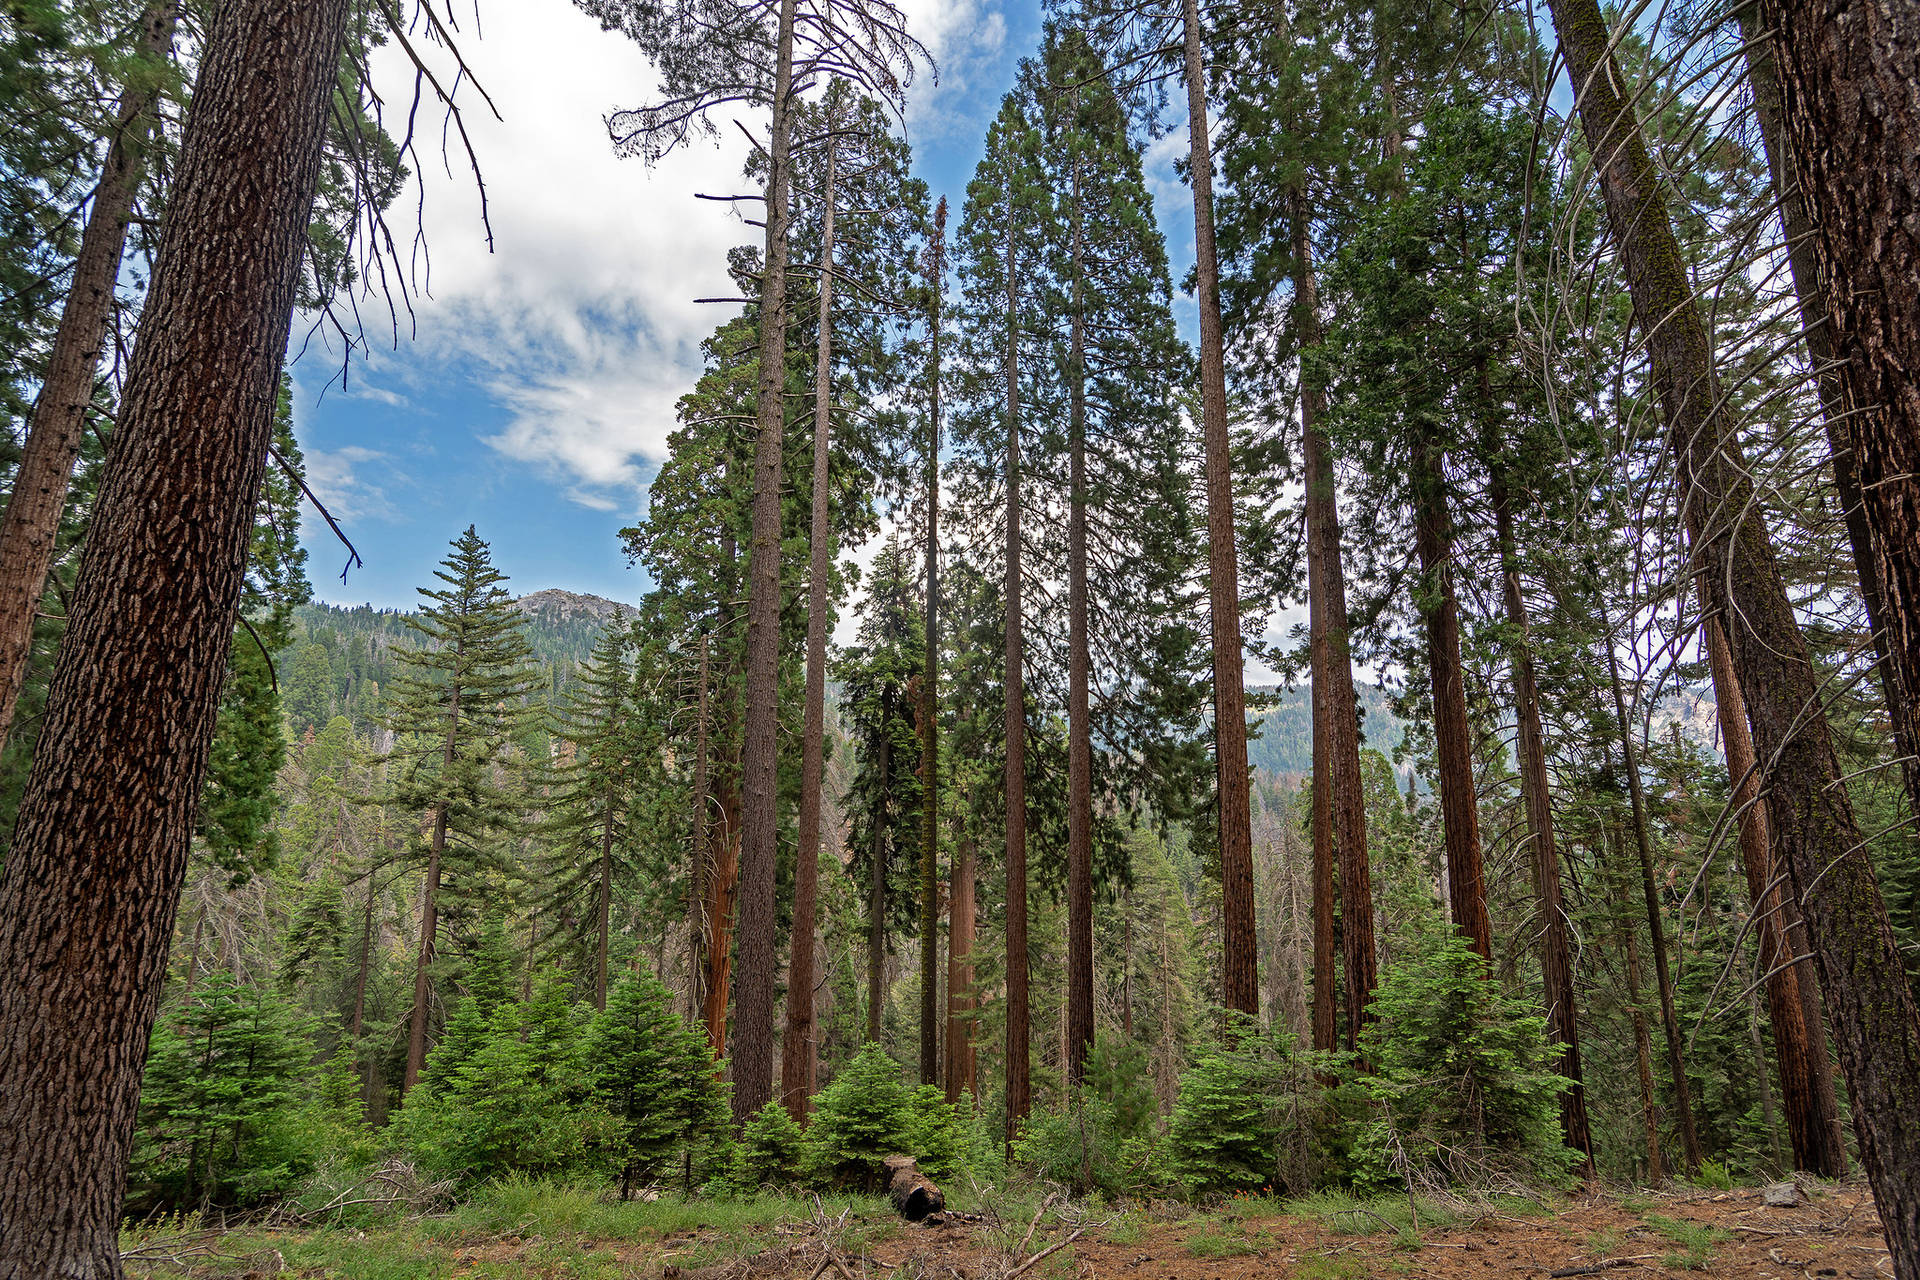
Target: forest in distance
1554,366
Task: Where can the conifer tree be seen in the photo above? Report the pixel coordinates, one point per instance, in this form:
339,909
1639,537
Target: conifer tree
649,1068
1817,836
1001,255
609,747
455,704
93,874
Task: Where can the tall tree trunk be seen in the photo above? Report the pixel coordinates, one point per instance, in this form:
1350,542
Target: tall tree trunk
759,765
1079,712
698,923
358,1026
1830,378
877,883
1847,72
430,913
1656,920
1239,973
1642,1034
1556,947
1325,1017
722,892
1452,734
1793,1007
1816,836
930,692
93,874
603,909
1019,1032
960,1001
796,1045
1347,807
32,519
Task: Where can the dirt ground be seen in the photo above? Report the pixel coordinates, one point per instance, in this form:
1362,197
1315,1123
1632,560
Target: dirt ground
1831,1234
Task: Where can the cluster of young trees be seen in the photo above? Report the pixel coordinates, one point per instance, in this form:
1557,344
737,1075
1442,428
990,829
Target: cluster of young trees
1555,458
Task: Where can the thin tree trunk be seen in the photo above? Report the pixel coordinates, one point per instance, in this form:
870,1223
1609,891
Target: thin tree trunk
1656,921
721,893
1079,712
960,1055
1768,1116
1830,379
1816,837
1126,962
1239,974
930,694
430,913
1325,1018
1452,735
359,1024
32,520
1846,72
1793,1007
877,882
796,1045
99,852
1556,947
1019,1032
698,922
603,909
1347,801
1642,1035
760,817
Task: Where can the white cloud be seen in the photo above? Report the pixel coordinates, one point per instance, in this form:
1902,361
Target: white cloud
338,478
582,324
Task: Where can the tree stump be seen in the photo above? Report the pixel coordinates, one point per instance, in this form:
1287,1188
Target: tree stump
914,1194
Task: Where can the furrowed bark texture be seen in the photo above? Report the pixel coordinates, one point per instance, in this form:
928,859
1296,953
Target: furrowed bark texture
1239,970
930,698
1793,1007
1556,949
1830,379
1079,712
960,1056
796,1045
93,876
759,763
1019,1032
1452,734
32,519
1347,792
1849,91
1816,837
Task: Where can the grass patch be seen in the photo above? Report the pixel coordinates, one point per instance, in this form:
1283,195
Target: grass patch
1635,1205
1215,1240
1344,1267
1128,1228
1696,1241
1365,1216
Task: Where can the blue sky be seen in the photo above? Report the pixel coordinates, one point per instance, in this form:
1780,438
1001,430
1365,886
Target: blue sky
532,391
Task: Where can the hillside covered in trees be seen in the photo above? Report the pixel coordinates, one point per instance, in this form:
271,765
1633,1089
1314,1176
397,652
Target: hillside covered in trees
1558,363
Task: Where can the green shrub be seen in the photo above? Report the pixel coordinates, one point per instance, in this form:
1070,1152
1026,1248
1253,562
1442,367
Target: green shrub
1461,1089
937,1132
1252,1114
651,1070
220,1106
768,1152
519,1102
858,1121
1107,1138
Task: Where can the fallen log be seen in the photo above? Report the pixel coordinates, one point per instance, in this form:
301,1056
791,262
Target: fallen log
914,1194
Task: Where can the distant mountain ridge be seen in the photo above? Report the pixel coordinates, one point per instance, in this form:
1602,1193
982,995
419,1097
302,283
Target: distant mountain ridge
556,607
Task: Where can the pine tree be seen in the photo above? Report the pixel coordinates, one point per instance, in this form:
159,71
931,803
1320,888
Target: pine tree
454,706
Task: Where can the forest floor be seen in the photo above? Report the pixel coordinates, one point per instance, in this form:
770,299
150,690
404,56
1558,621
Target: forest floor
1832,1233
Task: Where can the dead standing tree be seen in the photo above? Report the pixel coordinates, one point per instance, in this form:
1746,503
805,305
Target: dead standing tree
712,55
